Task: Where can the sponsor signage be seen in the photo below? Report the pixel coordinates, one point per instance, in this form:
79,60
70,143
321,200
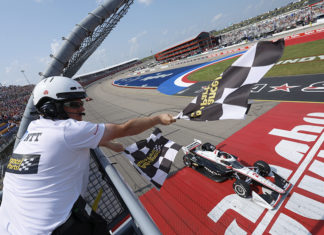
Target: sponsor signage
303,88
290,137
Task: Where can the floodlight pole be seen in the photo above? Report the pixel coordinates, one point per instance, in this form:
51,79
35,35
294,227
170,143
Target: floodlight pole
23,72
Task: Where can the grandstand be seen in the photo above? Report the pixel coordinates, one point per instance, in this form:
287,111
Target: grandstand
91,77
267,27
13,100
289,17
195,45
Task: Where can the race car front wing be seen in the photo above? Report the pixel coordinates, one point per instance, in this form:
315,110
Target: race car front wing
269,198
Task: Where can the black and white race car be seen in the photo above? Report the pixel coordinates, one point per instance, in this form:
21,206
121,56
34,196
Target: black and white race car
221,165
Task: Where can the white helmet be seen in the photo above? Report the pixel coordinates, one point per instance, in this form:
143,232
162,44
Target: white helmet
57,88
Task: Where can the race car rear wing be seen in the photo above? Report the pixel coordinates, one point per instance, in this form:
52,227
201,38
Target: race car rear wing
193,145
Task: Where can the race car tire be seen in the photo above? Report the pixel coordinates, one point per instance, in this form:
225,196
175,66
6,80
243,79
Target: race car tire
264,168
207,147
242,188
187,160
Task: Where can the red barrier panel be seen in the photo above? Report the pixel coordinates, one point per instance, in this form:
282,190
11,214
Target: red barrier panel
312,35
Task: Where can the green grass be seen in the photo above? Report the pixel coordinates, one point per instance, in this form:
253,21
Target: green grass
314,48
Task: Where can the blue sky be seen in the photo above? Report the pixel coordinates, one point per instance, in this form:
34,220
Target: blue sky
32,30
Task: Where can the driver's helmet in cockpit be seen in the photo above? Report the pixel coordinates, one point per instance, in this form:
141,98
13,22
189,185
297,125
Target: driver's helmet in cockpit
223,155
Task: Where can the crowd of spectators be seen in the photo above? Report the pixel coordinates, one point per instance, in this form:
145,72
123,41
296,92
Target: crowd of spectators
13,100
262,29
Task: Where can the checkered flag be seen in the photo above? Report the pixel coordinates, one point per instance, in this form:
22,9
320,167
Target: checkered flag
153,157
227,96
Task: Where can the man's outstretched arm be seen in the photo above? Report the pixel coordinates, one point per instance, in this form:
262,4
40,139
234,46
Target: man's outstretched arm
133,127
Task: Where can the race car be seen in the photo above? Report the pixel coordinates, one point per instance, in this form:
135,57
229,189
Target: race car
220,165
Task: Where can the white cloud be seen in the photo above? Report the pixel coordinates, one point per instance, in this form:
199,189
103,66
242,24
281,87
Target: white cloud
45,60
12,67
13,76
55,46
8,69
249,7
165,32
146,2
189,32
134,43
217,17
98,2
98,60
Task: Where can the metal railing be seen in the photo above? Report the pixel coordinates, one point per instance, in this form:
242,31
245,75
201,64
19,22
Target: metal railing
126,201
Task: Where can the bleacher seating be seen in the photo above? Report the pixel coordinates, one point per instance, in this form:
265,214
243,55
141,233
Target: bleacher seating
268,24
3,126
8,130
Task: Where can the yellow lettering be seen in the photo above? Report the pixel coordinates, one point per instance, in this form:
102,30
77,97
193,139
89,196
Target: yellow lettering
197,113
204,102
206,90
213,90
210,101
150,158
14,164
207,97
204,96
214,83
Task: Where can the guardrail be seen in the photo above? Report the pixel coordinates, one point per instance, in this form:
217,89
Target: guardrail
127,201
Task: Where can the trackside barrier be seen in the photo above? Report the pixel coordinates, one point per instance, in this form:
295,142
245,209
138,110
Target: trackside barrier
127,202
308,36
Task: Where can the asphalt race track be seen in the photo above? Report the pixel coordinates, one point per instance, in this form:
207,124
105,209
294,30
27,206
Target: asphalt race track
116,105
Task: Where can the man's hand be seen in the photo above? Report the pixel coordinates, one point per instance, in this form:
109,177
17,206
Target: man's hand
166,119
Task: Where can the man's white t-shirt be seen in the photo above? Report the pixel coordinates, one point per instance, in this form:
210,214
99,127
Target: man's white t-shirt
46,174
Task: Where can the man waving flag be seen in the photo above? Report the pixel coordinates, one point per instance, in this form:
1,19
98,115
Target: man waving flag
227,96
153,157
